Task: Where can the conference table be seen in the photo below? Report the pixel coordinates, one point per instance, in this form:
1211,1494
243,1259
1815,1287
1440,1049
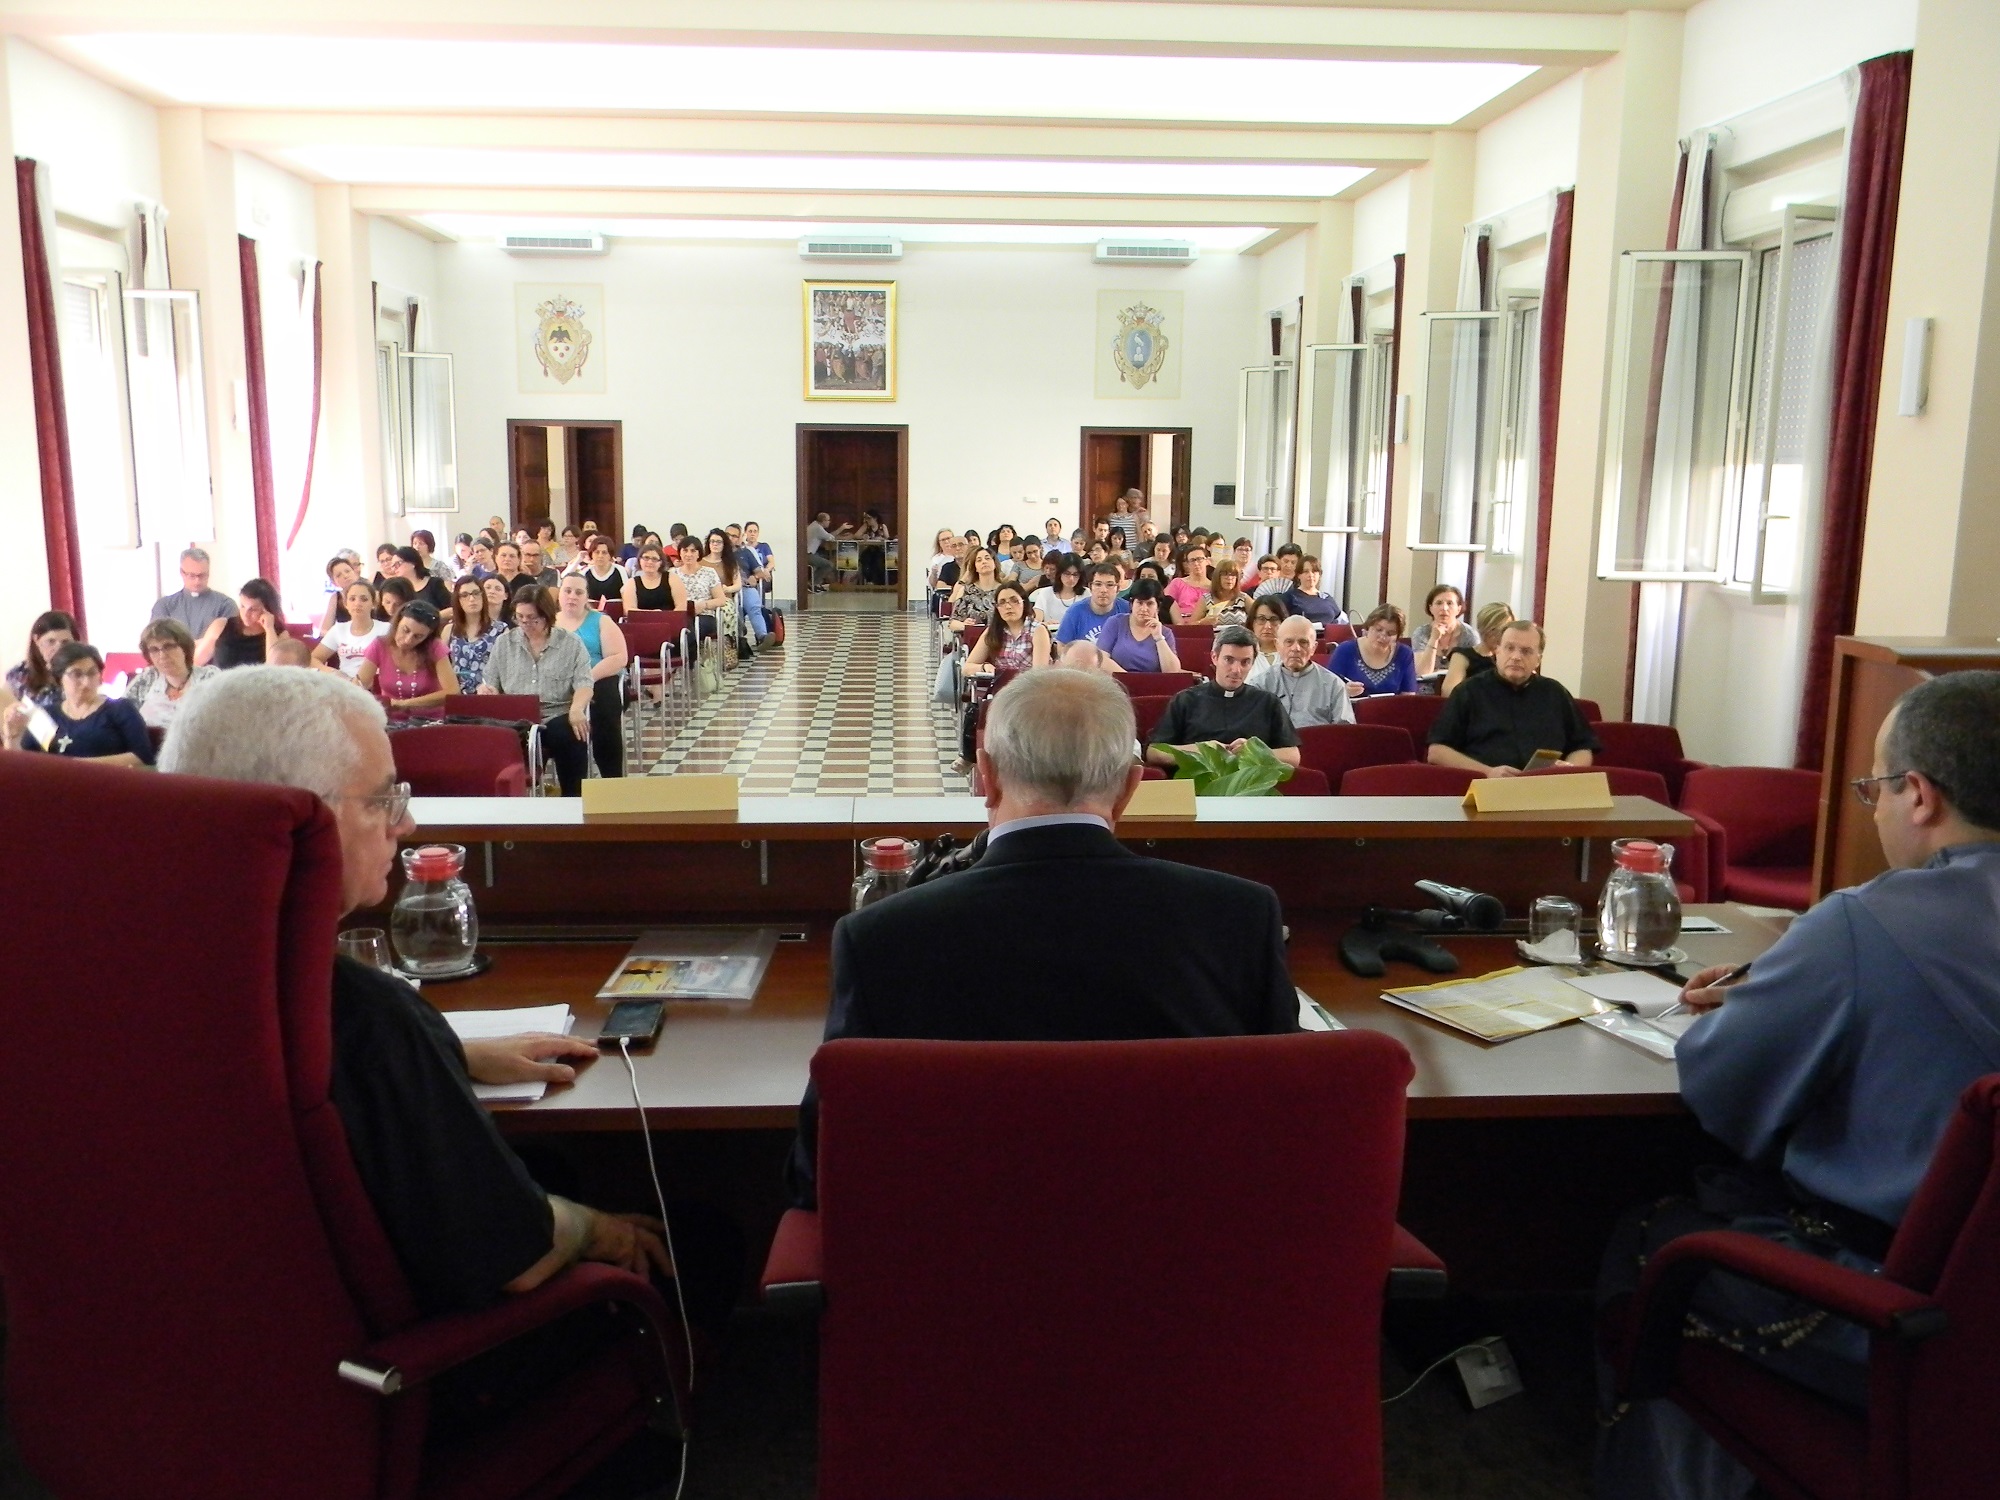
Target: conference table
1548,1133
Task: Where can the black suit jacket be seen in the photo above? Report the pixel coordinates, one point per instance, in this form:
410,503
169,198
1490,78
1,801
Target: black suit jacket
1212,962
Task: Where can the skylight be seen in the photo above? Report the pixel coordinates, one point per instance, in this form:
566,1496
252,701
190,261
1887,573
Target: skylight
360,73
1212,239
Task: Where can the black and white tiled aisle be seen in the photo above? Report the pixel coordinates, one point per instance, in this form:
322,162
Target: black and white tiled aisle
842,709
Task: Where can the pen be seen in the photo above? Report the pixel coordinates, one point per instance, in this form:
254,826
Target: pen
1733,975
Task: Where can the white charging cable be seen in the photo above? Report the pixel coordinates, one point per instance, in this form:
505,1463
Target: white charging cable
660,1199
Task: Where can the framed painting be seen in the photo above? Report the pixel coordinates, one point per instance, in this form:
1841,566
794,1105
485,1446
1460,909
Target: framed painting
850,340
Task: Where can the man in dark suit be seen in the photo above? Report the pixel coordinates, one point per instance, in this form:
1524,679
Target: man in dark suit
1058,769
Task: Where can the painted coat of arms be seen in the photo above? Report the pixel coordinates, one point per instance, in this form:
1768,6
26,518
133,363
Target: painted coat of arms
562,343
1141,345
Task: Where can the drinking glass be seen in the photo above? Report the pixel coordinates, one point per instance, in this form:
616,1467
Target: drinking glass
1551,915
366,945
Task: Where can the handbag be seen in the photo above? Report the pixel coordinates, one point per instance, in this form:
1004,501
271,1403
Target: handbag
707,673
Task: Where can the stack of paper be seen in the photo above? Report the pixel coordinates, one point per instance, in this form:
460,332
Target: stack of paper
1500,1006
1638,1008
482,1025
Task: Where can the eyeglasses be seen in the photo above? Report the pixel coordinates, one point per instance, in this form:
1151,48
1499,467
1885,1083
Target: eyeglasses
1864,787
394,803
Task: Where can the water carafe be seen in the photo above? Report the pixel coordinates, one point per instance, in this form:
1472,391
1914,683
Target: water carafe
885,870
434,926
1639,915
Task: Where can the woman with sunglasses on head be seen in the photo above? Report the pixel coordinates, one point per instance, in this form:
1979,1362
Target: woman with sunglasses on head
409,669
476,625
1226,603
340,573
1013,642
84,724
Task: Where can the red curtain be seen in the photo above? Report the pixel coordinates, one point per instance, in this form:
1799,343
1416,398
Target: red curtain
1548,400
1389,465
263,488
65,552
1861,317
312,433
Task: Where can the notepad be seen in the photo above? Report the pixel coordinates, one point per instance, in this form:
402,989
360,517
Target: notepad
483,1025
1500,1006
1640,1009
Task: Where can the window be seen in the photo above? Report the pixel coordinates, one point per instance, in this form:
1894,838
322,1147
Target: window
1674,440
429,435
1265,419
1381,401
389,421
1331,466
169,416
1516,486
1795,280
1455,481
94,394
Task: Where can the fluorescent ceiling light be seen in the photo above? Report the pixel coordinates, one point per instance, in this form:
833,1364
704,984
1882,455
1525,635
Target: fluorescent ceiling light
463,166
1214,239
300,72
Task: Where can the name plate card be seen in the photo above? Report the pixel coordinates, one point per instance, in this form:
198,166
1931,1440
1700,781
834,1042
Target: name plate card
660,794
1588,791
1162,799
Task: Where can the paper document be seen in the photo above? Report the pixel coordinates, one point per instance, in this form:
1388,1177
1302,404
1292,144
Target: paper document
483,1025
1313,1016
1702,924
1641,993
1500,1006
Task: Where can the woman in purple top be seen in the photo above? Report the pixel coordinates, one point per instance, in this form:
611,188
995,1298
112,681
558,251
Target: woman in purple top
1138,642
1377,661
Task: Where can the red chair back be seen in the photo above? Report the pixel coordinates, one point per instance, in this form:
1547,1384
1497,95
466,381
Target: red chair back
522,707
1333,635
1624,781
1197,655
1154,684
1335,749
1414,712
647,630
1589,709
461,760
128,662
1147,713
1413,780
1306,782
1770,813
969,632
984,1206
613,609
1646,747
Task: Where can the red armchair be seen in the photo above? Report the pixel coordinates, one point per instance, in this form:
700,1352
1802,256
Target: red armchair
461,760
1933,1315
1106,1268
1647,747
1154,684
1415,712
1760,822
191,1264
1413,780
1693,860
1335,749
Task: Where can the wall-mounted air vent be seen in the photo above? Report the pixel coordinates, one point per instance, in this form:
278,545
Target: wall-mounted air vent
857,247
1145,252
553,244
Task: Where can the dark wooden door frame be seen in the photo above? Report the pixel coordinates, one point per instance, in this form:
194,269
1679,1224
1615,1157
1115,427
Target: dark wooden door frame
802,443
617,427
1182,477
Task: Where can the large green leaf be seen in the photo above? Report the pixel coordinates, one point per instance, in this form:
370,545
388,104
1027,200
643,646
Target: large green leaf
1256,772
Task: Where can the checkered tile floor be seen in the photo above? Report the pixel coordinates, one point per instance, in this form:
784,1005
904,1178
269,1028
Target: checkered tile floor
842,709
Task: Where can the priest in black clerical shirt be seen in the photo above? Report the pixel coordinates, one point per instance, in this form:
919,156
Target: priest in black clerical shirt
1496,721
1225,711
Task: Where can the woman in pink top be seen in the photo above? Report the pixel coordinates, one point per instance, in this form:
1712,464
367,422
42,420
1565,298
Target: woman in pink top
410,669
1189,589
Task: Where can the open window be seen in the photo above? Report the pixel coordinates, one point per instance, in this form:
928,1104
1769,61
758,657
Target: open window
91,311
1455,480
1674,449
429,438
1266,416
1332,390
163,361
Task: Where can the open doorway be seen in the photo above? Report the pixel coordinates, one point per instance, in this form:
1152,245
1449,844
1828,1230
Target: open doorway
1151,460
567,473
855,473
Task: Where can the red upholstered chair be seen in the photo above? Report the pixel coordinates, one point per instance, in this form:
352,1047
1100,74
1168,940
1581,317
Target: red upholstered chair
1413,780
1934,1319
1589,709
1335,749
190,1259
461,760
661,642
1102,1268
1154,684
521,708
1146,714
1333,635
1646,747
969,632
1306,782
614,609
1415,712
1693,855
122,664
1761,821
1197,654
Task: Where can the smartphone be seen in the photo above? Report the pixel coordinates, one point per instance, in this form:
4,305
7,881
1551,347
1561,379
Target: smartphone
637,1021
1541,760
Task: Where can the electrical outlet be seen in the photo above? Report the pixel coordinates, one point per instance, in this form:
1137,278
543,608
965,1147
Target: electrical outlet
1489,1373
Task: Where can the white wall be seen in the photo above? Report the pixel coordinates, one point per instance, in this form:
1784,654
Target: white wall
403,263
704,350
1382,223
1528,151
1281,275
102,146
1737,54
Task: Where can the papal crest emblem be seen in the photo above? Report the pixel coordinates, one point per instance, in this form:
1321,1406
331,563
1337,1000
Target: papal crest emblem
562,343
1141,346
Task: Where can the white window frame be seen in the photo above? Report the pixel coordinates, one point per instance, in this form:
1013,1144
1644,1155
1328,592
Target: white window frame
1614,479
97,375
416,433
1506,527
1440,423
1278,378
1348,457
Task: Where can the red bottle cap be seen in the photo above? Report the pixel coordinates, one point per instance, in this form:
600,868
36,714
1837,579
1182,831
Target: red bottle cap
432,862
887,854
1641,856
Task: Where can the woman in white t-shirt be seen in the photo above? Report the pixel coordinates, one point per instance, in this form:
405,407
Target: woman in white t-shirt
343,648
1052,601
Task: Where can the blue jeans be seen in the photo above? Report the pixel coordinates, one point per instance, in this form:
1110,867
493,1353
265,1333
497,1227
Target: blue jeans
751,602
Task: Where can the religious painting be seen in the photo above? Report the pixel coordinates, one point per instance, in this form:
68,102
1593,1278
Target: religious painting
560,338
850,339
1139,351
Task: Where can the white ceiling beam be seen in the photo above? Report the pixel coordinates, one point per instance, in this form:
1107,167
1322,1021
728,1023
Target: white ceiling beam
270,130
854,208
1112,26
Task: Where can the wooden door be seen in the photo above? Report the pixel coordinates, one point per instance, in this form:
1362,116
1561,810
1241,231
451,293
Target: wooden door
528,481
1113,462
596,486
846,470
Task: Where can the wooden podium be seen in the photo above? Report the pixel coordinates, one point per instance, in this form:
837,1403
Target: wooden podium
1869,674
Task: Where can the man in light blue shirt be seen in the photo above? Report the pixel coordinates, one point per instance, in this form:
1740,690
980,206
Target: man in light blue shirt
1834,1067
1090,614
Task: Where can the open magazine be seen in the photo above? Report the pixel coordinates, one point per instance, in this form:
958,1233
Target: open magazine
693,963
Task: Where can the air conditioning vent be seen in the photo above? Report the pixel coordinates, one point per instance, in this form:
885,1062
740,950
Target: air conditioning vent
859,247
1145,252
553,244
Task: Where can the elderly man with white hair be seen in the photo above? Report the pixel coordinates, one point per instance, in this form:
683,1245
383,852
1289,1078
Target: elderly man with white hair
1310,693
466,1220
1057,767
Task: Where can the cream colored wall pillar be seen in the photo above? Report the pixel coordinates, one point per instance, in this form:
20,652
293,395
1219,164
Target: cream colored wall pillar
198,183
1934,495
20,469
1624,185
347,473
1330,248
1440,204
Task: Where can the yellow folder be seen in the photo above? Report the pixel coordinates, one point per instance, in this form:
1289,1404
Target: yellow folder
661,794
1589,791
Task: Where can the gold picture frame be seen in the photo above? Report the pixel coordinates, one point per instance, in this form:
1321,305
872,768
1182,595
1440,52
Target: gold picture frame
850,340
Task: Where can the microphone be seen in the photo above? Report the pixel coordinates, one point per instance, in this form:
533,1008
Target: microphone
1480,912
